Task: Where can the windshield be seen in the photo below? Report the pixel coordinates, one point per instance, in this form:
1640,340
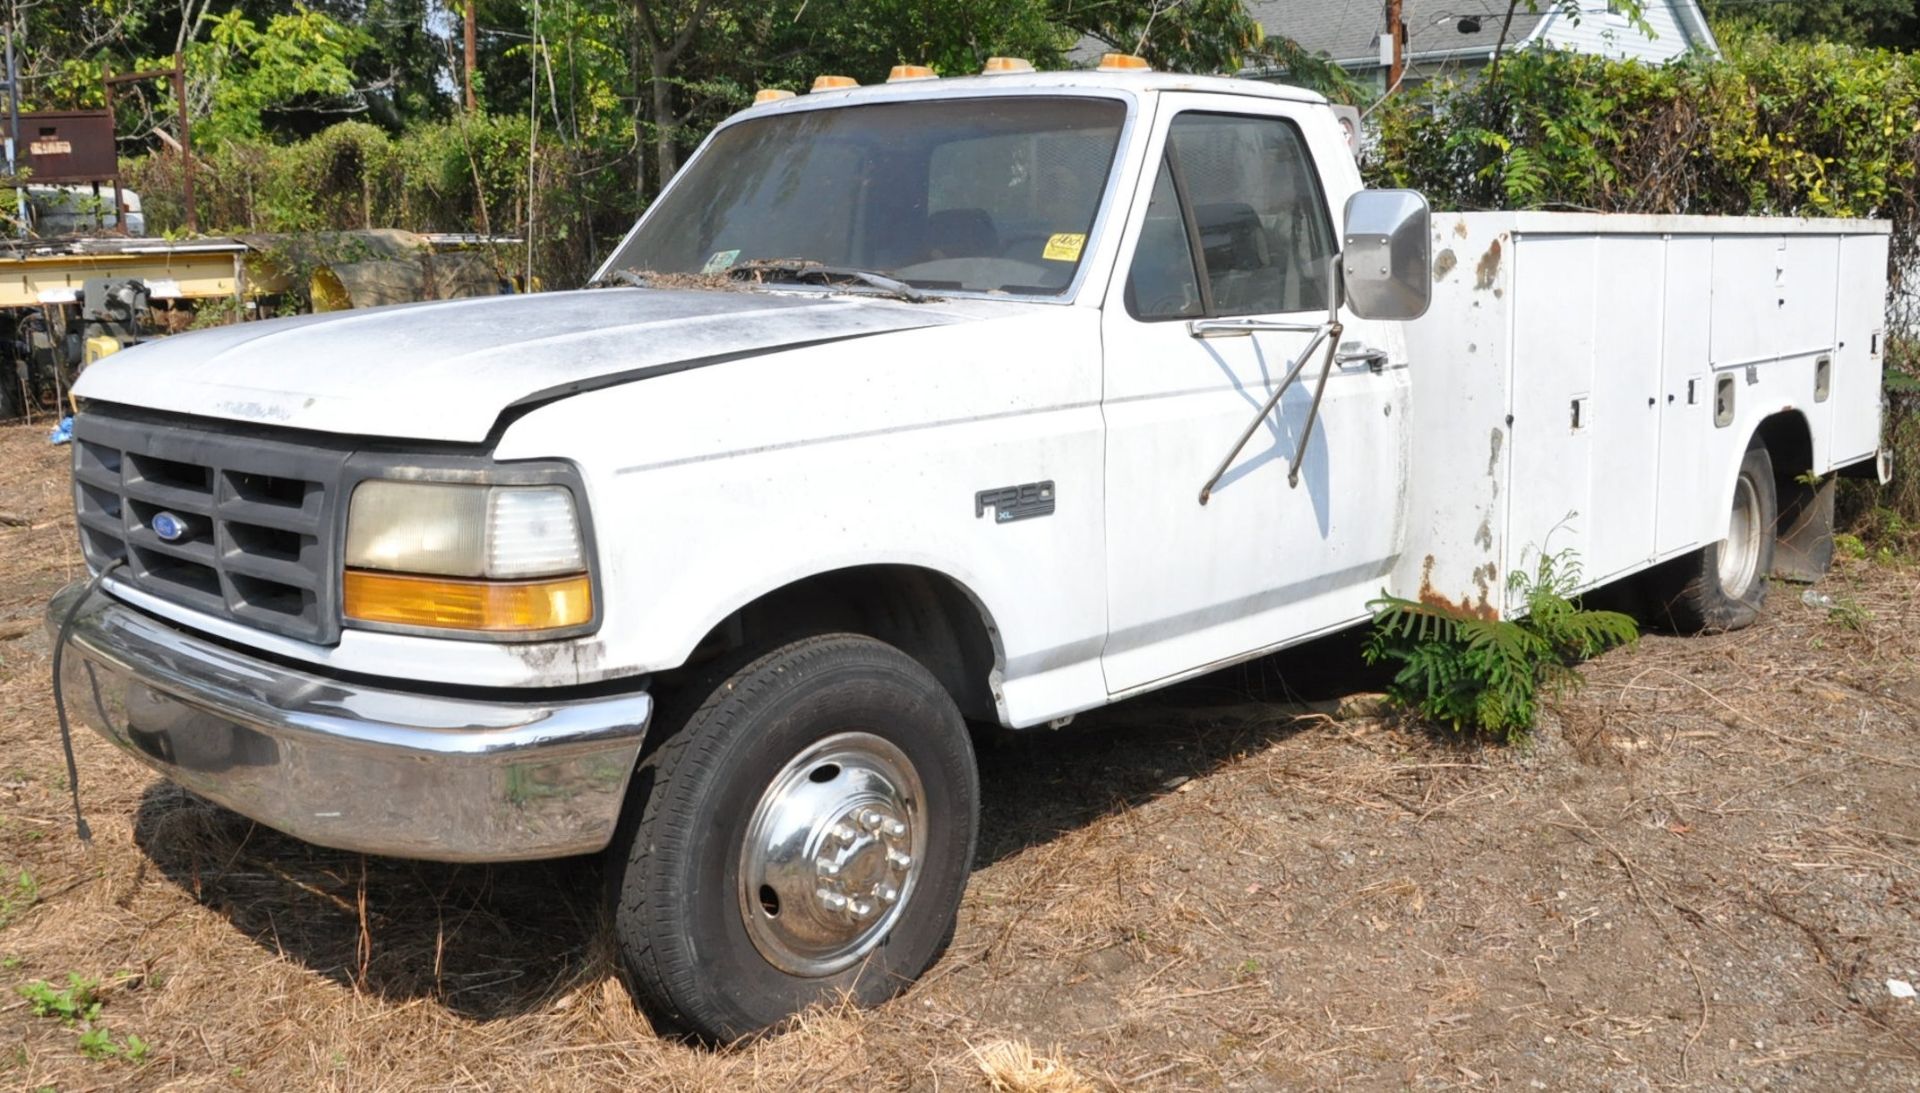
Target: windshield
984,194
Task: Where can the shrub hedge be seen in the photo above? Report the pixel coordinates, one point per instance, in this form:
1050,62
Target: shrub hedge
465,175
1769,129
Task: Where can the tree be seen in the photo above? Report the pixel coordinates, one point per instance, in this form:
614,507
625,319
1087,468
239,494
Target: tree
1888,24
1176,35
664,31
243,71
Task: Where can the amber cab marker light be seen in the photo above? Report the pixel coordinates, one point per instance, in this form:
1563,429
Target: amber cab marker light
834,83
770,94
910,73
997,66
447,603
1124,62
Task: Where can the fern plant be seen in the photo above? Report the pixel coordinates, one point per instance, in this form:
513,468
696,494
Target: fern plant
1472,673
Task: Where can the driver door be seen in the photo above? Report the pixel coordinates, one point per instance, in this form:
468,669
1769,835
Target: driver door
1233,223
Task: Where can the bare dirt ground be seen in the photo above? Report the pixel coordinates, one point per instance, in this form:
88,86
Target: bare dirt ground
1701,876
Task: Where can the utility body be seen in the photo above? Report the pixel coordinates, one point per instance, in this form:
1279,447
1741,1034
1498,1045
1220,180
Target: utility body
903,407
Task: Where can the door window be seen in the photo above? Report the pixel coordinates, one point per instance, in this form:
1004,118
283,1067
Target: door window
1245,187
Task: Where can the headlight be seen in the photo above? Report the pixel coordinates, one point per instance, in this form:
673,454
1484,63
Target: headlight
466,557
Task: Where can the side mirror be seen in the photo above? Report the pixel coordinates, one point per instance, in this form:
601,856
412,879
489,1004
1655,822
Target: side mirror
1387,258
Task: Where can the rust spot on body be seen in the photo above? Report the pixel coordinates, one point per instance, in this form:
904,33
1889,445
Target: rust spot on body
1489,267
1443,263
1481,608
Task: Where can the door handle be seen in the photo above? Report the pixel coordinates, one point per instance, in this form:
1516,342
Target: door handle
1359,353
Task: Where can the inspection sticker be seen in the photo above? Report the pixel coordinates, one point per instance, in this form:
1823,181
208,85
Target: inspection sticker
721,261
1064,247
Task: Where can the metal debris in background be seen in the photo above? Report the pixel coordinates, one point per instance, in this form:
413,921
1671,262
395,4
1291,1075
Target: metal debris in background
65,303
371,268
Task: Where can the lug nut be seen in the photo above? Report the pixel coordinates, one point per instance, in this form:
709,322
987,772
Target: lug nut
871,820
860,908
894,828
888,893
829,868
842,832
899,859
832,901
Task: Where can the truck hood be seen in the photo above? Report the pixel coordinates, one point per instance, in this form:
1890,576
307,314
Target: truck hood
445,371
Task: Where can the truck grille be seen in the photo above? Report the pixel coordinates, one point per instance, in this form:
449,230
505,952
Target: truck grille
223,521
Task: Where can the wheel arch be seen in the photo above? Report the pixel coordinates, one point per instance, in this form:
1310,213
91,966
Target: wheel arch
1803,525
927,614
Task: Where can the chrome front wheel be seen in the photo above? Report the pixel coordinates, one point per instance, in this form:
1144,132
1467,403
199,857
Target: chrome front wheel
802,833
832,853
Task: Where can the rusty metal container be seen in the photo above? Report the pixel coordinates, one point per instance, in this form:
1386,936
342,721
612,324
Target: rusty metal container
68,146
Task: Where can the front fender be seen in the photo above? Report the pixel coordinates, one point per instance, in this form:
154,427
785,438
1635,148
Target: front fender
713,488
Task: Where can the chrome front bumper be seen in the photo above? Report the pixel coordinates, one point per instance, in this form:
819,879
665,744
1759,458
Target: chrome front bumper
347,765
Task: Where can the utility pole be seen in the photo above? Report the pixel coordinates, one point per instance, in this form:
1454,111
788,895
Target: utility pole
473,56
13,136
1397,33
179,74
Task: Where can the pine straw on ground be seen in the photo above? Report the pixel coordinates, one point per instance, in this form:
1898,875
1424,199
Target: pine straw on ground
1700,876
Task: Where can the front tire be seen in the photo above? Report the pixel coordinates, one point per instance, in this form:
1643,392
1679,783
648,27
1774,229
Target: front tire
1724,586
807,831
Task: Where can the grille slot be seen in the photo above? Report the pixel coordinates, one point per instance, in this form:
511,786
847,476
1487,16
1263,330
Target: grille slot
249,518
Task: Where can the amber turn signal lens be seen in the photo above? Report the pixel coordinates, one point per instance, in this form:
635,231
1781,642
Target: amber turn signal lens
770,94
552,603
834,83
910,73
996,66
1124,62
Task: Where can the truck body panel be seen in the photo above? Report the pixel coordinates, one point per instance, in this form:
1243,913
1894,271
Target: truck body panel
1591,353
445,371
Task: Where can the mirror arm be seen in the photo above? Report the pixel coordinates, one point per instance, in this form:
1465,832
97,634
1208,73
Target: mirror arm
1233,328
1335,290
1326,332
1313,411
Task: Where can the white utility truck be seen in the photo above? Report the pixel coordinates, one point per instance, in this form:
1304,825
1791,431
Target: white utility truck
993,399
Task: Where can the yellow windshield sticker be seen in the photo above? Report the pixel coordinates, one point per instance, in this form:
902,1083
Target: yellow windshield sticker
1064,247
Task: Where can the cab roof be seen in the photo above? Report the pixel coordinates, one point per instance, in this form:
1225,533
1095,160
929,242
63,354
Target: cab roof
1139,83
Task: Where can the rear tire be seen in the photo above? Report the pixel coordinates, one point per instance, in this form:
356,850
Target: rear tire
806,832
1724,586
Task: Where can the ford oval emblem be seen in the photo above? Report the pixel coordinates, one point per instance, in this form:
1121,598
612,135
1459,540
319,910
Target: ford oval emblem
168,527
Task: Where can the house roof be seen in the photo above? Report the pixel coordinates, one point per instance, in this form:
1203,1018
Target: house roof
1347,30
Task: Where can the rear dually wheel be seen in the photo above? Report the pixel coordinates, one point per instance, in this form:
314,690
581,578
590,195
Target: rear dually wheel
1724,586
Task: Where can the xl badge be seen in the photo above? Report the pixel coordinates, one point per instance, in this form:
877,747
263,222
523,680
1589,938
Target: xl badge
1015,502
170,528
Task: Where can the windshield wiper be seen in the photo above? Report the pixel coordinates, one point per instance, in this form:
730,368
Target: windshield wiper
801,269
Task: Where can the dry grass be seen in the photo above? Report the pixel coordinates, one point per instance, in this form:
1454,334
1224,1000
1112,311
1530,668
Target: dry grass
1010,1066
1700,876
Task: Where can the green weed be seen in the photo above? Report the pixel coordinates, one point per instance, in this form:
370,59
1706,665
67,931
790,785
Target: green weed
99,1044
1847,614
23,893
1487,675
78,1005
73,1003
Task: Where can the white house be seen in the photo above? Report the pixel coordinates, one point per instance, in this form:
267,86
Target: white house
1444,36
